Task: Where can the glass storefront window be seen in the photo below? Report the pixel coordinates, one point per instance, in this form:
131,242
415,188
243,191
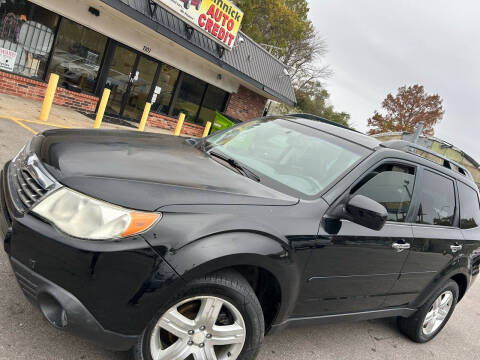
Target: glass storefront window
77,56
189,98
166,82
27,34
214,101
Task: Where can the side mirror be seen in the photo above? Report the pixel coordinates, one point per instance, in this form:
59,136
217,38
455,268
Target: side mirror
366,212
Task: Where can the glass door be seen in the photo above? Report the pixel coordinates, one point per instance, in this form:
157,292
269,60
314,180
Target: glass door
130,79
119,77
137,95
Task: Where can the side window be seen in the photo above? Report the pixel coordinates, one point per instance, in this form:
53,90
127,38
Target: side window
469,207
392,186
437,206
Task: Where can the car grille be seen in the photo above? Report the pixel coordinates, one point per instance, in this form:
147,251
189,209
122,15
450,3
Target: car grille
26,187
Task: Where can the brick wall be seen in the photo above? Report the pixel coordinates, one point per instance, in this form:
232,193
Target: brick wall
245,104
21,86
168,123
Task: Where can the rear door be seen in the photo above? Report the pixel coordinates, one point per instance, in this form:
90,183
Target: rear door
437,237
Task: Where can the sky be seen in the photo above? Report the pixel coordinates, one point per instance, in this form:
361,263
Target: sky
376,46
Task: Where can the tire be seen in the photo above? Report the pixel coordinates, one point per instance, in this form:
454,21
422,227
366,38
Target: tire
240,309
416,326
187,4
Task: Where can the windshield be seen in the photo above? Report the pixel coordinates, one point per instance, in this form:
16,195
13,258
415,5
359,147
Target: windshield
288,154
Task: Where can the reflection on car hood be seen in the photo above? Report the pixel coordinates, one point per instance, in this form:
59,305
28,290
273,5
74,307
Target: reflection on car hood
146,171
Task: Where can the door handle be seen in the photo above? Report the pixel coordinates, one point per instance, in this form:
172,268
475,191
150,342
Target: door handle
455,248
401,246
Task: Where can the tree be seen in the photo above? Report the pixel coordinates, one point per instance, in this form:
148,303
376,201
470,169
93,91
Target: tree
404,111
283,28
317,103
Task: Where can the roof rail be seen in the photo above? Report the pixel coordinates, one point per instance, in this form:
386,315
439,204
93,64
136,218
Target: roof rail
416,149
321,119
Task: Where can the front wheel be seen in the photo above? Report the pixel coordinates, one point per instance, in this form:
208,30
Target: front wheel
430,319
217,317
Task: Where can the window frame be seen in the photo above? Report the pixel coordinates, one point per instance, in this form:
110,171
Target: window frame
418,196
460,204
416,185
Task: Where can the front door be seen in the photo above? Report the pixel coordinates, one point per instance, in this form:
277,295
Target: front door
130,79
355,270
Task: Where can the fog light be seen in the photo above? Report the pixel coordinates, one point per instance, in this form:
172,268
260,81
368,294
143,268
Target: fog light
52,310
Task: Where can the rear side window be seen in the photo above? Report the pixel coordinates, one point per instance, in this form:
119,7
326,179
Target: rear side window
392,186
437,206
469,207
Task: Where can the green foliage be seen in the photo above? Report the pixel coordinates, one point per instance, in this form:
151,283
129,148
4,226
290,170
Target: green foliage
276,22
318,104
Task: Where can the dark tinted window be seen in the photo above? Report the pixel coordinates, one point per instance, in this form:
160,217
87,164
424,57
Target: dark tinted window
77,56
392,186
469,207
214,101
189,98
437,205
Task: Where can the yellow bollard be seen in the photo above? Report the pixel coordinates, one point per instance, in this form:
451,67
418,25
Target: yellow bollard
146,111
49,95
101,108
178,129
208,125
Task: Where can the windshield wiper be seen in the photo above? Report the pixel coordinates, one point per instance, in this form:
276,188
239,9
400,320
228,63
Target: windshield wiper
234,164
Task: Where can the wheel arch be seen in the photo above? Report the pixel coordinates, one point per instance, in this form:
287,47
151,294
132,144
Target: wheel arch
459,275
462,281
261,259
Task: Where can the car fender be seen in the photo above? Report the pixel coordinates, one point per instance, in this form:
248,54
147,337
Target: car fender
458,266
241,248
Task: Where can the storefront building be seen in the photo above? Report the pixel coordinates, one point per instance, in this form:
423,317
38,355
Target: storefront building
142,52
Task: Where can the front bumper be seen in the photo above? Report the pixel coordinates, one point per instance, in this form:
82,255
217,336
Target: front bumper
64,311
105,291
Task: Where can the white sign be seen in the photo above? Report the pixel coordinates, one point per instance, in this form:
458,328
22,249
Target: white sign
7,59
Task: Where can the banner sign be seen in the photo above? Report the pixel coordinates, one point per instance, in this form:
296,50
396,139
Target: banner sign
218,19
7,59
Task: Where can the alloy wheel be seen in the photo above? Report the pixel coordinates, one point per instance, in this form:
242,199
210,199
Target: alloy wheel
438,313
199,328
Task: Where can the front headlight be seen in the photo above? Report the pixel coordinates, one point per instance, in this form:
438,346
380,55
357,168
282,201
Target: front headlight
88,218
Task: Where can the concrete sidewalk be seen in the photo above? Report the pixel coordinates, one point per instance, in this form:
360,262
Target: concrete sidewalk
27,109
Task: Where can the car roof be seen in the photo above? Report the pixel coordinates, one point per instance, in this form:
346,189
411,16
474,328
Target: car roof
342,132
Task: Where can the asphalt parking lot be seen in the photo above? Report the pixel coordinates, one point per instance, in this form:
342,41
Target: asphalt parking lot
24,334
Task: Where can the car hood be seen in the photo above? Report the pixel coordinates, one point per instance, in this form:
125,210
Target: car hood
146,171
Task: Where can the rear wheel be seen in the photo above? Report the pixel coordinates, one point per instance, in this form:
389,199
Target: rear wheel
214,318
430,319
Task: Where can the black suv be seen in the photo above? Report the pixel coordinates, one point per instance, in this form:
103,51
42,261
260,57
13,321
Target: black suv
194,249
